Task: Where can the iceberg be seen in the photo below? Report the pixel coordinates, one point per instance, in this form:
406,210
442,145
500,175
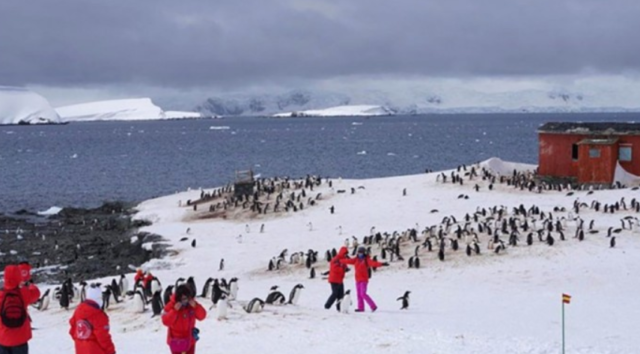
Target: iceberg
21,106
127,109
341,111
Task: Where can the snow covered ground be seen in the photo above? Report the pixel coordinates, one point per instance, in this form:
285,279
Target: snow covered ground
19,105
340,111
488,303
128,109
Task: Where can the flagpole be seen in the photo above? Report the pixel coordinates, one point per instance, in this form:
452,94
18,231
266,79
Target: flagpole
562,327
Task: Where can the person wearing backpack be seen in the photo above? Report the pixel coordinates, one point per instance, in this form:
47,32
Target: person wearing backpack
337,271
362,262
180,315
90,326
15,326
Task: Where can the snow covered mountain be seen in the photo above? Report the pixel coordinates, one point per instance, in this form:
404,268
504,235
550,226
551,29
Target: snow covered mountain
21,106
340,111
128,109
436,99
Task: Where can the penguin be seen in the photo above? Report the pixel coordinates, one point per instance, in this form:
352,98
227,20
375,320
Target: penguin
275,297
139,302
312,273
206,288
216,292
43,303
612,243
271,266
191,283
223,305
233,288
441,254
416,262
115,289
167,294
294,296
193,243
221,268
83,291
254,306
106,295
124,284
64,296
345,303
405,300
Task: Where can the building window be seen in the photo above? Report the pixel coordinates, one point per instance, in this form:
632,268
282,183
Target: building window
574,152
624,153
594,153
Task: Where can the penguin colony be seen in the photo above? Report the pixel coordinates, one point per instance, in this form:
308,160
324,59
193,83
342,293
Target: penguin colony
490,230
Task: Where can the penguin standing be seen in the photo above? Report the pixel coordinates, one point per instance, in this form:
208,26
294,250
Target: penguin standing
167,294
275,297
221,268
223,305
156,304
612,243
312,274
139,302
405,300
216,292
191,283
294,296
233,288
43,303
64,296
124,284
345,303
206,288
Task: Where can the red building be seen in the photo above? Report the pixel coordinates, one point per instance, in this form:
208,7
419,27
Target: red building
588,152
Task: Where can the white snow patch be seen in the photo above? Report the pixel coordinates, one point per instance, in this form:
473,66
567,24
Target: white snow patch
127,109
51,211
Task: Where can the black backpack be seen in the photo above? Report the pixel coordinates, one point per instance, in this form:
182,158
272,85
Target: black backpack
13,312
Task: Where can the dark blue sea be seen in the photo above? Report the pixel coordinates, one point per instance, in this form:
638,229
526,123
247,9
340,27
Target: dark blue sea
85,164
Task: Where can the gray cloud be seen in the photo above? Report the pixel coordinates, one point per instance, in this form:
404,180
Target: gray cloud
225,43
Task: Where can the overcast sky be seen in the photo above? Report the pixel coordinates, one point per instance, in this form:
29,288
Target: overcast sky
231,44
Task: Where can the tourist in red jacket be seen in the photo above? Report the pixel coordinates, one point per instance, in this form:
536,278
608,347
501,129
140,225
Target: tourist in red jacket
15,326
336,278
90,326
138,277
362,263
180,315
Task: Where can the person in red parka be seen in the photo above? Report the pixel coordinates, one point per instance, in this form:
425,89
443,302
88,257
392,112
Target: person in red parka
15,297
139,276
336,278
90,326
362,263
180,315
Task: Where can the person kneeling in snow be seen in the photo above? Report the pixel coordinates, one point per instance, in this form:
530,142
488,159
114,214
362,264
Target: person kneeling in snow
362,263
180,315
90,326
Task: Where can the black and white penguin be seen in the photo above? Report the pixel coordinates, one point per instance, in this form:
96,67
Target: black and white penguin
345,303
166,297
193,243
612,243
139,302
294,296
275,297
64,296
233,288
441,254
405,300
115,290
206,288
216,292
107,292
191,283
223,305
156,304
312,273
83,291
271,266
124,284
254,306
43,303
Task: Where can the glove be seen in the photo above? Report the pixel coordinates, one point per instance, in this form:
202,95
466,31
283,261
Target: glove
385,264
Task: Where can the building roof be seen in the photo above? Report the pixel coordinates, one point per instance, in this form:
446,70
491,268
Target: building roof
598,141
591,128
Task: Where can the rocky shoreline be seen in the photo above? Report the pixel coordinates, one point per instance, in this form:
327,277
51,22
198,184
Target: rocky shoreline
78,243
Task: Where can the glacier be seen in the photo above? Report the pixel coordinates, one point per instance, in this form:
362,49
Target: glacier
22,106
125,109
340,111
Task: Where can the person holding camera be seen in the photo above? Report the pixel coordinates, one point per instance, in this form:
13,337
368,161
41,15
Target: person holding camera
180,315
15,297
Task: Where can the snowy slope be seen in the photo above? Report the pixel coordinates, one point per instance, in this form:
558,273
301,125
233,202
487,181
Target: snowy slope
506,303
129,109
19,105
340,111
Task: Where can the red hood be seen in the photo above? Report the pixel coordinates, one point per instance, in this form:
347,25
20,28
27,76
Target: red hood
11,277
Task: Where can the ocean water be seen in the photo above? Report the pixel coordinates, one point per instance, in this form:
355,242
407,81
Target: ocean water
85,164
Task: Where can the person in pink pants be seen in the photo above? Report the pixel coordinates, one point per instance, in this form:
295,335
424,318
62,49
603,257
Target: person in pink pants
362,263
